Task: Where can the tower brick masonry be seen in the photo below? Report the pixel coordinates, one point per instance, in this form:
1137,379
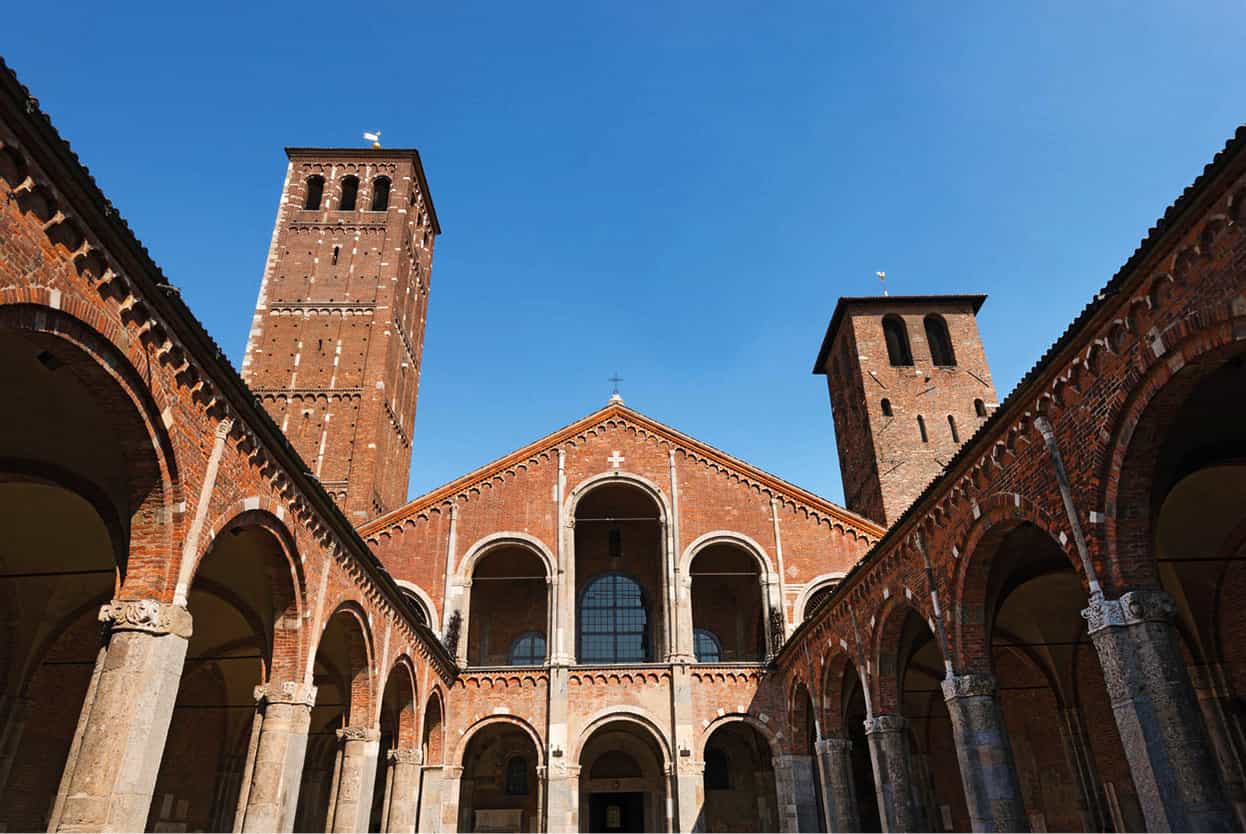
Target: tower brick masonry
335,347
908,381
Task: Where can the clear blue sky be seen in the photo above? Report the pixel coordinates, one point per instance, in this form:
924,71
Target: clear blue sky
677,191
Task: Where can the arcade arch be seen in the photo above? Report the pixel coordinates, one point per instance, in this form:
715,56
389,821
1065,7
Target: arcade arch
624,777
740,791
509,576
500,788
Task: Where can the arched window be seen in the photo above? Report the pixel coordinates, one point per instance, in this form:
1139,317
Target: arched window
380,194
940,341
921,427
717,770
706,646
315,191
517,776
951,424
613,621
886,404
819,596
528,649
350,190
898,350
979,408
417,605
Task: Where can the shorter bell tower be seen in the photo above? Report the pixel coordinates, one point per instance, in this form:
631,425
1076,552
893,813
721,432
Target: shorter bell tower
909,382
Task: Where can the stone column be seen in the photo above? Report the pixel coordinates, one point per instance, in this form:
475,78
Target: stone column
689,790
272,797
893,773
451,790
404,788
11,735
804,795
839,793
1212,700
563,792
356,779
1161,727
430,799
984,753
115,756
1090,803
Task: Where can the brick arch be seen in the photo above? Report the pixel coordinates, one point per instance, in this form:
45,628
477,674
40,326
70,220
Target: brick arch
633,716
814,585
436,696
488,721
288,598
360,644
799,707
618,476
434,620
408,729
772,739
833,698
482,547
1001,513
885,649
1137,437
739,540
155,521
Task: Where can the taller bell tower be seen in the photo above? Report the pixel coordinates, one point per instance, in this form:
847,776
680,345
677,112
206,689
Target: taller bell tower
336,341
909,382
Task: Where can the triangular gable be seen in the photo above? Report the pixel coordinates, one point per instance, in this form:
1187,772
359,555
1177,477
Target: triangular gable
616,412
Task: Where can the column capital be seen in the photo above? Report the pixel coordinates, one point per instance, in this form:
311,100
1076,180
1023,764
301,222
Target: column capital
405,755
359,734
886,724
833,745
451,771
147,615
1145,605
977,685
286,692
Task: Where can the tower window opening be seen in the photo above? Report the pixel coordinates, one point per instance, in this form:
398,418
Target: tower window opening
337,250
350,191
951,424
899,353
886,404
315,192
940,341
979,408
380,194
921,427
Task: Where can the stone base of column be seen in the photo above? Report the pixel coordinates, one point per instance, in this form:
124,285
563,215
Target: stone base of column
987,770
1161,726
839,792
893,773
563,792
107,786
272,799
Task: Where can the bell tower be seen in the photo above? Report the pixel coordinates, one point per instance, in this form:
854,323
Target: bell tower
335,346
909,382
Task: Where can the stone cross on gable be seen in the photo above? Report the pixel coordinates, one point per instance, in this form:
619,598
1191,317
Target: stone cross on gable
616,459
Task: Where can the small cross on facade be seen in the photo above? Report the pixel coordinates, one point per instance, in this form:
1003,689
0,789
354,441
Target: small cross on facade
616,459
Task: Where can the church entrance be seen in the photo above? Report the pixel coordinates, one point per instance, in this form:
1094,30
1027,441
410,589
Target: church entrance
623,780
615,812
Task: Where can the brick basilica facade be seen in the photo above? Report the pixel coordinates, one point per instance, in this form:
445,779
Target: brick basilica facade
218,612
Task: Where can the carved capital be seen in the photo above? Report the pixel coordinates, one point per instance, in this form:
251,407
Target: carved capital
147,615
223,428
886,724
405,755
1147,605
968,686
287,692
834,746
359,734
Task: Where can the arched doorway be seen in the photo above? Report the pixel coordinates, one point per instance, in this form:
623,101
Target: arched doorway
911,671
739,784
343,700
623,781
499,789
620,577
243,586
77,467
394,794
1070,764
509,613
728,606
